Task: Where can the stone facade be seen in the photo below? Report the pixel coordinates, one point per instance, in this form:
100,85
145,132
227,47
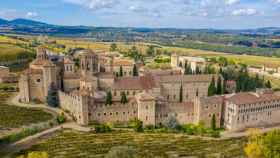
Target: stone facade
152,97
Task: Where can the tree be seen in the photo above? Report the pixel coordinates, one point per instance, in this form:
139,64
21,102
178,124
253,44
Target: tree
123,98
121,152
135,70
268,84
113,47
253,148
188,69
171,122
180,64
35,154
136,124
150,50
212,88
109,98
61,118
181,94
219,86
197,70
213,122
121,71
52,97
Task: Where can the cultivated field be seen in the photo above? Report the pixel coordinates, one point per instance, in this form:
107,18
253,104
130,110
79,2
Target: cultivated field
16,117
70,144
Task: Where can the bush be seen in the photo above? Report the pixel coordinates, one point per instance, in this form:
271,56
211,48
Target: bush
102,128
61,118
136,124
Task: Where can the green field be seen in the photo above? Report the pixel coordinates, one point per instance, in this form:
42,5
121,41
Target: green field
70,144
15,117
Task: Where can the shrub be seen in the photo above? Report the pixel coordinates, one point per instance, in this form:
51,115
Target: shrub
103,128
35,154
137,125
61,118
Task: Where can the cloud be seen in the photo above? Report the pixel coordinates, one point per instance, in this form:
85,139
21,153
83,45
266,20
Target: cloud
31,14
247,11
94,4
231,2
9,14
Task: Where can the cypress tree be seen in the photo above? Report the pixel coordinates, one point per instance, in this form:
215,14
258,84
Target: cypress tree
181,94
213,122
109,98
212,88
219,86
135,71
268,84
197,70
121,72
123,98
52,97
180,64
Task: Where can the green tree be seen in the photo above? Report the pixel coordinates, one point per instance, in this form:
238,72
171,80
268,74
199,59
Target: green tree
123,98
219,86
109,98
113,47
135,70
121,72
136,124
181,94
150,51
52,97
268,84
197,70
212,88
213,122
61,118
188,69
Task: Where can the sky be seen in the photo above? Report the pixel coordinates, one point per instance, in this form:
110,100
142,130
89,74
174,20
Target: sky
217,14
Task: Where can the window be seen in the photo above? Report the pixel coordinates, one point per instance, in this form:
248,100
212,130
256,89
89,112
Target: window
38,80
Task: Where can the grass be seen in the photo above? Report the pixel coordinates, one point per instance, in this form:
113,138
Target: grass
15,117
70,144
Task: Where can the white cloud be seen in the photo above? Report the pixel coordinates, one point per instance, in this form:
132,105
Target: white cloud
9,14
247,11
95,4
231,2
31,14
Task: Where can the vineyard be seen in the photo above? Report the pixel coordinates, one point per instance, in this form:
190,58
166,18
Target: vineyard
70,144
15,117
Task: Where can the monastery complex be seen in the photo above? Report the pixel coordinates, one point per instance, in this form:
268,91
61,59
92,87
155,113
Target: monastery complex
152,96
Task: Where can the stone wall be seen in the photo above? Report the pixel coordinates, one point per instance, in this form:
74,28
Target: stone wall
115,113
76,105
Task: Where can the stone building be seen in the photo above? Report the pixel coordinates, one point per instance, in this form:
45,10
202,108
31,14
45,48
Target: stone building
6,76
194,62
248,110
151,97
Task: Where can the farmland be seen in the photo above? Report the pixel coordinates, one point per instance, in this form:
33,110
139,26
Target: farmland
16,117
68,144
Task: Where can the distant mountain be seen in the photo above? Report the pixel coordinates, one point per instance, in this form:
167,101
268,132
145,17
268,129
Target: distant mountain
2,21
26,22
26,26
